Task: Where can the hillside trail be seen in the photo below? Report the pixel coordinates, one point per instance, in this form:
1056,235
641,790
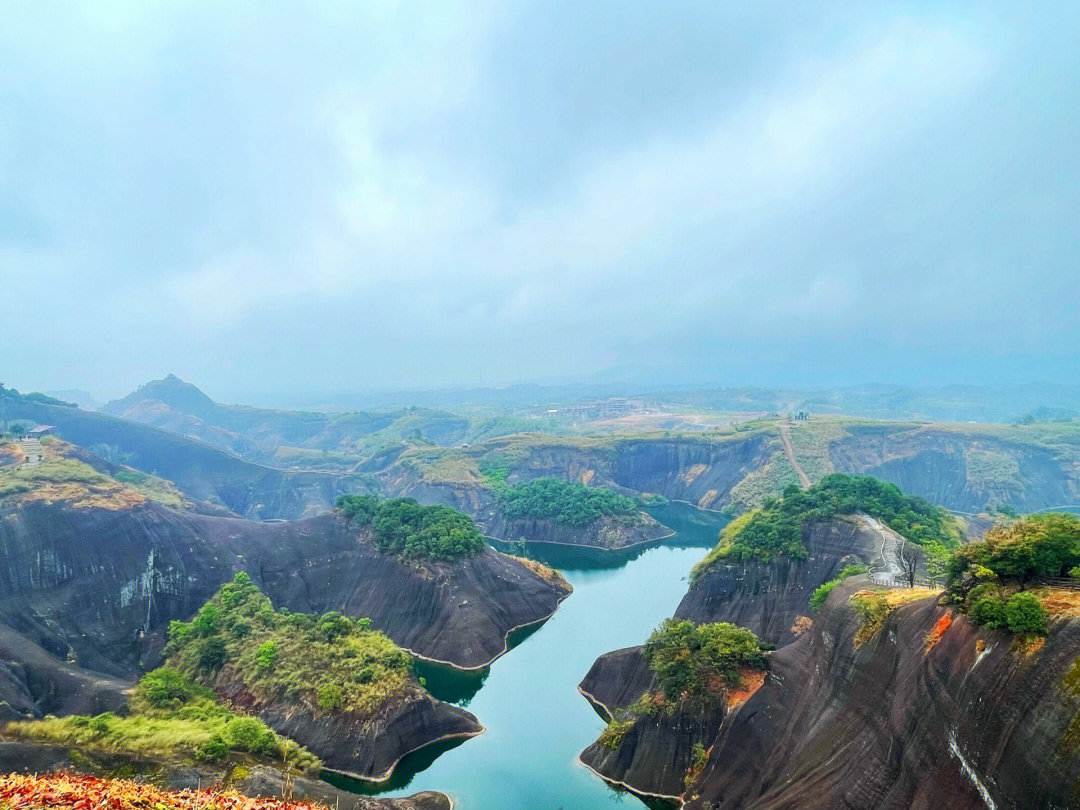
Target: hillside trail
789,451
888,570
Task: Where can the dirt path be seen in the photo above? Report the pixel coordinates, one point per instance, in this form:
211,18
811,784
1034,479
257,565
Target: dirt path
789,451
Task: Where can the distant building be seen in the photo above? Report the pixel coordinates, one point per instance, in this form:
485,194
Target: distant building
41,430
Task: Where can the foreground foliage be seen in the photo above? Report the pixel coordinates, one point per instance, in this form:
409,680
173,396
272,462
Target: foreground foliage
171,717
775,530
692,660
402,526
68,791
330,662
567,502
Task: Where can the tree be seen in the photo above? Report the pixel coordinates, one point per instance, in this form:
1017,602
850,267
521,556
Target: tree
909,563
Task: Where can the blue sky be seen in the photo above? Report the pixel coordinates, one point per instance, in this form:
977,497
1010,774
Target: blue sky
267,199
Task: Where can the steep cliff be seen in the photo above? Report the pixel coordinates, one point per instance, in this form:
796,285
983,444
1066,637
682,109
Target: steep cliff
919,710
768,597
361,745
99,586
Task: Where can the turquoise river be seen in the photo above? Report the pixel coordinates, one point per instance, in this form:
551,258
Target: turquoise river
535,719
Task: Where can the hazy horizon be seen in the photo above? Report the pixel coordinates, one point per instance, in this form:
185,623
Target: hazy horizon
280,203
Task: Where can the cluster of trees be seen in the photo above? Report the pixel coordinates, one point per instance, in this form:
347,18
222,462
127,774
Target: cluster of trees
402,526
1033,547
567,502
775,530
331,660
988,577
691,660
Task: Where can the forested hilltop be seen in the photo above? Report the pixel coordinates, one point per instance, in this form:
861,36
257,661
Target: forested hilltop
569,503
776,528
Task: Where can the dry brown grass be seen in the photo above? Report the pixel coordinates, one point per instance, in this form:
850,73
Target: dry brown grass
546,573
1059,601
750,681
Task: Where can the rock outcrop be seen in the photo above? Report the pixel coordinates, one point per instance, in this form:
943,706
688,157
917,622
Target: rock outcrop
360,745
920,712
654,754
768,598
99,586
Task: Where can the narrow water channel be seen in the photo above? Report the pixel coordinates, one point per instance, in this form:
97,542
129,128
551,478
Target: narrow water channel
536,721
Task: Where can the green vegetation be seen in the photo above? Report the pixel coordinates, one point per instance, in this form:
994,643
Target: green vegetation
821,593
1046,545
1022,614
692,660
775,530
329,661
567,502
402,526
171,717
613,733
988,577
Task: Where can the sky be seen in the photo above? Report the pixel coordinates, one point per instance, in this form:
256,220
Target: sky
276,199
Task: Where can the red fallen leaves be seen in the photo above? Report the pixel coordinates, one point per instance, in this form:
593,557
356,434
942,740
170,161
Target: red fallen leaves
942,624
68,791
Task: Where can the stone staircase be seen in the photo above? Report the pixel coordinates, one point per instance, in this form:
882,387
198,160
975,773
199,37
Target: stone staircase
32,450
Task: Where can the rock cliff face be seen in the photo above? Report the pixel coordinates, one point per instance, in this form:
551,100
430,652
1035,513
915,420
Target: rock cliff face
975,720
605,533
655,753
768,597
363,746
927,712
99,586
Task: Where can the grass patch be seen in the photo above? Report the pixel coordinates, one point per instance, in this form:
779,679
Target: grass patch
182,721
821,593
329,662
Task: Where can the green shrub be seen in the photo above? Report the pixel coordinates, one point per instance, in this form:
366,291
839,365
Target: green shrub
212,653
205,622
821,593
213,750
240,629
249,734
165,686
266,656
179,632
330,697
1024,614
988,611
687,657
612,735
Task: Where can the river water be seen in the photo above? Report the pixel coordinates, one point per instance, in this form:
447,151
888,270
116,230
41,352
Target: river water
535,719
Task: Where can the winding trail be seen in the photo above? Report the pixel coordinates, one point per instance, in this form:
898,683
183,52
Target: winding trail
789,451
890,552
